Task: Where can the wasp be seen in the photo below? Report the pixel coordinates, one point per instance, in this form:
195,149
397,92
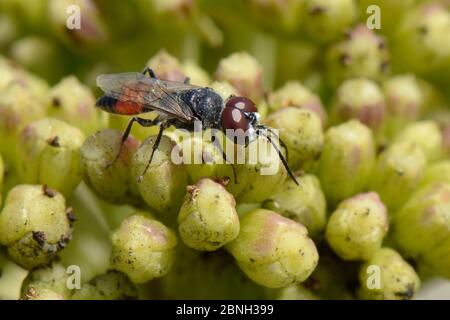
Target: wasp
180,104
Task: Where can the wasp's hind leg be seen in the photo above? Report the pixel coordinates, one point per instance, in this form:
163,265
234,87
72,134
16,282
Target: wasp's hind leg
150,72
143,122
162,127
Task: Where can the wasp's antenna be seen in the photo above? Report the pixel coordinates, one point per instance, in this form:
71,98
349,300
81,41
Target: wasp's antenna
283,145
282,158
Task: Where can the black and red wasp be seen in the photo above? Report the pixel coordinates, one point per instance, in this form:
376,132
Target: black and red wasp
180,104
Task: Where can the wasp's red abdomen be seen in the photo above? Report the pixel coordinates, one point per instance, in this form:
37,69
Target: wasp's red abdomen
114,105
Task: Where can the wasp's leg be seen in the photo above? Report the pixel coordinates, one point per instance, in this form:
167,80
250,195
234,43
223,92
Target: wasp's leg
187,80
162,127
150,72
143,122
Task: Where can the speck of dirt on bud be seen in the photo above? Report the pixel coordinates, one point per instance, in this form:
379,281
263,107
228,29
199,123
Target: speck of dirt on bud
47,191
39,237
56,102
316,10
71,215
344,59
54,142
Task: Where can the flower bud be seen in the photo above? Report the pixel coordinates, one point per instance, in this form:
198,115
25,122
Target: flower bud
48,153
404,101
34,225
2,174
304,203
361,54
91,30
272,250
356,229
437,259
423,223
112,285
292,292
437,172
362,99
166,67
276,15
347,160
261,174
143,248
398,171
197,76
164,183
301,131
294,94
74,103
326,20
421,41
18,106
426,135
386,276
11,277
208,218
52,278
224,89
244,73
110,179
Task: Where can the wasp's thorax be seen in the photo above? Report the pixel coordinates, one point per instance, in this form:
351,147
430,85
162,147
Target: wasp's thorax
206,104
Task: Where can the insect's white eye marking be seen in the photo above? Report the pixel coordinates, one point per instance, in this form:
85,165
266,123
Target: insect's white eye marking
237,115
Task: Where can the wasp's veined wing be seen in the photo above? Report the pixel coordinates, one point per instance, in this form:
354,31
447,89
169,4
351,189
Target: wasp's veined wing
153,94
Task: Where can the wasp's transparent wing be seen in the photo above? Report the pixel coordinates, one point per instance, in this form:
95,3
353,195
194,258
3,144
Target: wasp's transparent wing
152,93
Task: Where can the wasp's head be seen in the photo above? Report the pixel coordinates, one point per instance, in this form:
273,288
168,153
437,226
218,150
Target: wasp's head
239,118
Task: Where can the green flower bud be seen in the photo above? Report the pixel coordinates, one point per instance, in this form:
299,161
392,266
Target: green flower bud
224,89
398,171
218,274
163,185
18,106
34,225
426,135
260,176
52,278
9,30
34,293
166,67
244,73
37,54
294,94
356,229
386,276
361,54
404,101
197,76
272,250
362,99
48,152
326,20
422,41
74,103
304,204
301,131
208,218
277,15
423,223
438,171
112,285
110,181
91,31
437,259
347,160
143,248
11,277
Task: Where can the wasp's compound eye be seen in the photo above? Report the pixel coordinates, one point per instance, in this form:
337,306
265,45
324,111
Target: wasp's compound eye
241,103
233,118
